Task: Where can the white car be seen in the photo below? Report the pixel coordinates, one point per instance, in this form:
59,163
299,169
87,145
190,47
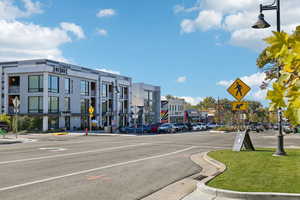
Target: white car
198,127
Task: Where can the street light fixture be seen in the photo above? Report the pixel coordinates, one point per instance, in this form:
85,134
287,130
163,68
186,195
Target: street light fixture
260,24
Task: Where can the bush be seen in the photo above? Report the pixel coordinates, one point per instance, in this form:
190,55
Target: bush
226,129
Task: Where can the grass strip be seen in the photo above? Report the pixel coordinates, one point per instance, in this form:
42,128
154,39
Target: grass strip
258,171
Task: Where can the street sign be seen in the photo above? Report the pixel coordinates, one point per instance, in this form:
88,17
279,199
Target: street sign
243,139
16,103
91,110
238,89
236,105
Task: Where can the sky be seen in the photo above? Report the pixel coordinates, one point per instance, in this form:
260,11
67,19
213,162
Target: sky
191,48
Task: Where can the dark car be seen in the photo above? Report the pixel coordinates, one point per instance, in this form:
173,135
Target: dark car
257,127
138,129
4,126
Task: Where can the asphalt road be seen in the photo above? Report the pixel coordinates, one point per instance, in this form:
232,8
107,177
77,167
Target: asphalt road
106,167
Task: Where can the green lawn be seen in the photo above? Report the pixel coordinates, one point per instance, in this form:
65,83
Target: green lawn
258,171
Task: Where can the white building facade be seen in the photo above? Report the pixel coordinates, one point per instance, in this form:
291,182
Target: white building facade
59,94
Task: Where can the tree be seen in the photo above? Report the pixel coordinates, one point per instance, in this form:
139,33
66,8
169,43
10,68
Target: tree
208,102
282,55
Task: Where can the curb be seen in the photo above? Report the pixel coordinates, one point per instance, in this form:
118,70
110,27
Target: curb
222,193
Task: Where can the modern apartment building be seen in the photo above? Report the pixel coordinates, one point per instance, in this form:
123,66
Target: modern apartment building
60,94
172,110
147,99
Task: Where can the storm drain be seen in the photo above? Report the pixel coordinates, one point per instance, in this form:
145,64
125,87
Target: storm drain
199,178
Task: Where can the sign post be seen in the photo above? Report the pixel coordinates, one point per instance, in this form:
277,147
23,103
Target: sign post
16,103
91,112
238,89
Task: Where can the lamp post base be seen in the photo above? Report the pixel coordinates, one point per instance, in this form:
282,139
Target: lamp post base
280,150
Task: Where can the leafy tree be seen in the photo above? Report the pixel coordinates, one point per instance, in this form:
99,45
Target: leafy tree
283,55
208,102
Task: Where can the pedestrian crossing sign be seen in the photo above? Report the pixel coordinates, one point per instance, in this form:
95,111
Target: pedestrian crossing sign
236,105
238,89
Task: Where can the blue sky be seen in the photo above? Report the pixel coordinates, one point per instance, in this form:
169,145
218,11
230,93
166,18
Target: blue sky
190,48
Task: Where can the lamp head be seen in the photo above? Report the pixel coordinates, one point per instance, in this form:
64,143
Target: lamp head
261,22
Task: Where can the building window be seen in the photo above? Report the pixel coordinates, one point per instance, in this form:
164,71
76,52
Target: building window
53,84
84,106
53,105
104,106
84,88
68,85
104,90
35,104
67,104
35,83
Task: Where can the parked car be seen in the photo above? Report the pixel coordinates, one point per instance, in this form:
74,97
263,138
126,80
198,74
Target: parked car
4,126
198,127
275,126
138,129
212,125
181,127
167,128
204,126
258,127
287,128
154,127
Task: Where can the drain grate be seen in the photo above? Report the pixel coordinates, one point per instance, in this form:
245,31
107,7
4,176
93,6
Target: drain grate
199,178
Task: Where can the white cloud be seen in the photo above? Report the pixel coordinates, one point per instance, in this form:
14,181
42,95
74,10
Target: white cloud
9,11
106,13
102,32
251,80
182,9
237,17
259,95
108,71
192,100
21,40
25,41
73,28
206,20
181,79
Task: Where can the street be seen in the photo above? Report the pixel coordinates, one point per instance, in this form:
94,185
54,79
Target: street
107,167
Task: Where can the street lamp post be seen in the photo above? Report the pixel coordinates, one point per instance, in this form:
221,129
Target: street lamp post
260,24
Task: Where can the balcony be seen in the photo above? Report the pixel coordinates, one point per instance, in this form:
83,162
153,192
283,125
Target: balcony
14,89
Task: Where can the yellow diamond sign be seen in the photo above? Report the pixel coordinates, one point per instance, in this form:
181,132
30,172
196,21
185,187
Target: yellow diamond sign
238,89
91,110
239,105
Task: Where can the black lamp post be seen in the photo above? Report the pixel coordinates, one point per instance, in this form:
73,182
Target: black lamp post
260,24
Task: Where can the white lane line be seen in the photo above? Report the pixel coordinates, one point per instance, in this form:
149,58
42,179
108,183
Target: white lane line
94,169
72,154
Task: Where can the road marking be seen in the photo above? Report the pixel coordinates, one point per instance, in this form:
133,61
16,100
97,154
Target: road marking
53,148
95,169
71,154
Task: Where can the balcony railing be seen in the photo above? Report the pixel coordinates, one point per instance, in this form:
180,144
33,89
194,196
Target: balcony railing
14,89
93,92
